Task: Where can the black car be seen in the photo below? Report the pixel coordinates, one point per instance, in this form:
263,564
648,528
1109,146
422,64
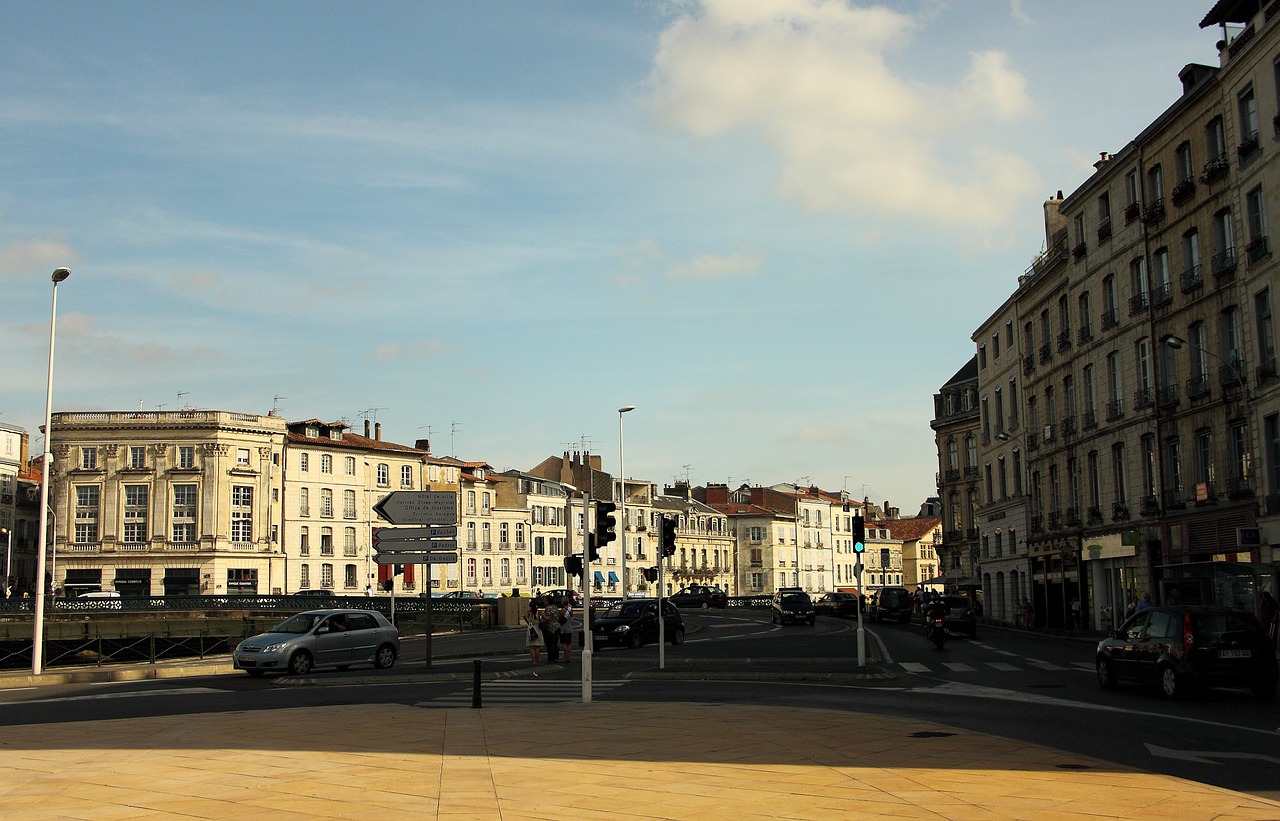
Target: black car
837,604
791,604
1189,647
699,595
634,622
961,616
893,603
559,595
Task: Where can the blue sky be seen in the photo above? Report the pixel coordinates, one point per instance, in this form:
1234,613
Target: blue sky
771,225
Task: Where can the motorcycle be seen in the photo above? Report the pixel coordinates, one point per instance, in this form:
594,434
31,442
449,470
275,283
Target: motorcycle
936,632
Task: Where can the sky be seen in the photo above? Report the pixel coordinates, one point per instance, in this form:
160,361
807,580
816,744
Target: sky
770,225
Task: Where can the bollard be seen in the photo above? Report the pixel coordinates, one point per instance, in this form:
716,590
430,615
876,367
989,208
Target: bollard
475,684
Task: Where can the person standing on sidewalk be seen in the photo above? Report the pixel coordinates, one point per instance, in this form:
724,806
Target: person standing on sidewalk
551,630
533,632
566,630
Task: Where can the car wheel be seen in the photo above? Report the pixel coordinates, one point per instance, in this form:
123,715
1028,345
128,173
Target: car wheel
1264,689
677,636
385,657
300,663
634,640
1106,676
1171,684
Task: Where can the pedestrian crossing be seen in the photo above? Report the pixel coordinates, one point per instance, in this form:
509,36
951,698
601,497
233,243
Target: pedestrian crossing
1028,665
508,692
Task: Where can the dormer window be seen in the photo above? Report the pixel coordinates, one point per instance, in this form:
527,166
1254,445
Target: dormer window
313,432
335,434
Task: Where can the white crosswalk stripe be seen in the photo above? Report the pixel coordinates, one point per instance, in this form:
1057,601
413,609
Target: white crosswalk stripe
959,667
505,692
1030,665
1045,665
1002,666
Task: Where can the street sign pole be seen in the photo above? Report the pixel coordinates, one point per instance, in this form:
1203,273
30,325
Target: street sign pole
586,590
862,641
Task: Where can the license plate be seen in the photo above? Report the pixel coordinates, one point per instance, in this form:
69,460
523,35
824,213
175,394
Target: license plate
1235,654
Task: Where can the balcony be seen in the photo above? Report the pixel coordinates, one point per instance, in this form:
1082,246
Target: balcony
1068,425
1119,512
1064,340
1131,212
971,471
1247,148
1143,398
1183,191
1095,516
1115,410
1037,524
1168,396
1223,264
1215,169
1046,353
1266,371
1073,517
1174,498
1257,249
1198,386
1049,432
1162,294
1137,304
1109,320
1028,364
1149,506
1230,376
1153,211
1088,420
1240,487
1078,252
1104,231
1085,334
1191,279
952,474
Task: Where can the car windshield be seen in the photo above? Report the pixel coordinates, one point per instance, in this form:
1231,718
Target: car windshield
299,624
795,598
625,610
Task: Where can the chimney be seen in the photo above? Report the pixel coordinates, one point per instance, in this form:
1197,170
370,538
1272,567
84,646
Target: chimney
717,494
366,428
423,444
1103,159
377,431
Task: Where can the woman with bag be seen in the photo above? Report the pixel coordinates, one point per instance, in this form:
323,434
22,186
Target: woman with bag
551,630
533,633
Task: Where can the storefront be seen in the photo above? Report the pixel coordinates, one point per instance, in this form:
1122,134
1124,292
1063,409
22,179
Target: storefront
1114,578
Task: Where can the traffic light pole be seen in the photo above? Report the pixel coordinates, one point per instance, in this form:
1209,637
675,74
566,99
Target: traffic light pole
587,640
662,621
862,639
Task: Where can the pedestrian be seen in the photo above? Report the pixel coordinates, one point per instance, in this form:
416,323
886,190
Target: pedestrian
533,632
1145,604
1269,615
368,590
566,630
550,623
1028,614
1075,613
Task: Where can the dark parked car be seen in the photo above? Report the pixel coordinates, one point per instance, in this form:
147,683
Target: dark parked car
320,638
893,603
1190,647
699,595
961,616
558,595
791,604
837,604
634,622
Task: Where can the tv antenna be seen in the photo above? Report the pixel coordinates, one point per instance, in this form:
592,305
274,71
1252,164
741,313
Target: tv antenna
454,427
275,403
180,395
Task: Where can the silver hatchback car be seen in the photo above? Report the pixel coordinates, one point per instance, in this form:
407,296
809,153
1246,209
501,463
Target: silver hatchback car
321,638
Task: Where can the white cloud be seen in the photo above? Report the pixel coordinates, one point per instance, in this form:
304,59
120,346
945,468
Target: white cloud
812,78
709,266
37,255
420,350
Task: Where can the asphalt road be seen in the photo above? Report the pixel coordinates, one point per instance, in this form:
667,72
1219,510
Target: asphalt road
1022,686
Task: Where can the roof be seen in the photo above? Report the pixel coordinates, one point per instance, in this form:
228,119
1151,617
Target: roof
747,509
968,373
1231,11
909,530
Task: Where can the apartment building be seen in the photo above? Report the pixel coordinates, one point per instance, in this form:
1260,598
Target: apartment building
956,424
763,538
546,511
918,539
705,545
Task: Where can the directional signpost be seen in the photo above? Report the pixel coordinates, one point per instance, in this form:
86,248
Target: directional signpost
433,541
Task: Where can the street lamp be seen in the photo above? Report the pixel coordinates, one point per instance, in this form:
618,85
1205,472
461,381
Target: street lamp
622,488
37,634
8,556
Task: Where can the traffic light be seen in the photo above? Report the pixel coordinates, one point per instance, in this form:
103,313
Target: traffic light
397,569
573,565
667,539
389,584
592,549
859,535
606,523
650,574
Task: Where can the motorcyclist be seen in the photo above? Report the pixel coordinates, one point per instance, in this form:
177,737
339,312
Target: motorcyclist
934,610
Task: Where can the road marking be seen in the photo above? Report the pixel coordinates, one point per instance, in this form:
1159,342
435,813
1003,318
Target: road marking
184,691
915,667
522,692
959,667
1003,667
1045,665
1203,756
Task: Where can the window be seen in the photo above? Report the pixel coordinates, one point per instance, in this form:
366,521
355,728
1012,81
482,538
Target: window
304,576
348,541
1256,215
1142,351
350,464
326,576
1109,302
1131,189
1190,258
1265,332
186,457
1155,183
1085,316
1231,340
1095,480
1204,457
304,541
1247,106
137,457
242,513
184,514
1199,358
135,514
326,541
326,503
1118,473
1138,282
86,515
384,475
304,501
88,458
304,461
1104,216
1148,444
406,476
1160,270
1183,166
1173,468
1216,141
242,458
1114,376
1223,240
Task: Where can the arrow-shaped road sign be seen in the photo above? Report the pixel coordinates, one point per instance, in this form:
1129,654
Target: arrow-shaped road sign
419,507
416,558
390,533
417,546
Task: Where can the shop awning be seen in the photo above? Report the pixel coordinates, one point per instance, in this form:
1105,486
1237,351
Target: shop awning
599,577
613,577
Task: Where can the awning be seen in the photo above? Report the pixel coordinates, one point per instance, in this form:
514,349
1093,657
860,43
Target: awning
599,577
613,577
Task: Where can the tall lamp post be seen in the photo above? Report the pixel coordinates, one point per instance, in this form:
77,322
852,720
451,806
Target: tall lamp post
622,493
8,557
37,634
